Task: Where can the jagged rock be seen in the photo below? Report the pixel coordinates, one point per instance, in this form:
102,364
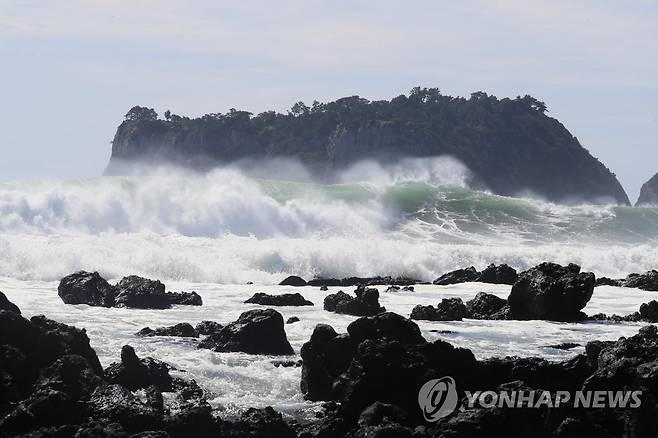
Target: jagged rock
258,331
71,375
184,298
501,274
90,288
190,412
27,347
324,357
649,311
208,327
327,354
648,193
86,288
258,423
295,299
183,330
449,309
553,292
647,281
134,373
68,340
7,305
458,276
385,325
485,306
141,293
292,320
293,280
365,303
117,404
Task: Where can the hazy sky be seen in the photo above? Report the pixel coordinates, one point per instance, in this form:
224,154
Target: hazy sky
71,69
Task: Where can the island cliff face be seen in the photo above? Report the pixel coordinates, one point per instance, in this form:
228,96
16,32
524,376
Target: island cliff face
649,192
510,145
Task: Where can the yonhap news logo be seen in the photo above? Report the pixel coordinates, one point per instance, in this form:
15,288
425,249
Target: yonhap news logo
438,398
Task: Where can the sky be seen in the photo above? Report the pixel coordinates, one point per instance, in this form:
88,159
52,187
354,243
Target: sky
71,69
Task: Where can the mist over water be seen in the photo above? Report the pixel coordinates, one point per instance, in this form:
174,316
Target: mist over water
237,224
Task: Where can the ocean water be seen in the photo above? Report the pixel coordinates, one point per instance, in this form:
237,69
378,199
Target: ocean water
215,232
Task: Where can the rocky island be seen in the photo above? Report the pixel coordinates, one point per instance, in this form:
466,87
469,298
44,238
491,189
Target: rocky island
510,146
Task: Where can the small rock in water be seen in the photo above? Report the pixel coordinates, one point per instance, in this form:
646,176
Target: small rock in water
564,346
184,298
295,299
293,280
458,276
449,309
324,288
258,331
486,306
365,303
292,320
183,330
551,292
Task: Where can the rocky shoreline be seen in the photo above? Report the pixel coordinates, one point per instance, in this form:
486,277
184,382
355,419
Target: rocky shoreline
368,378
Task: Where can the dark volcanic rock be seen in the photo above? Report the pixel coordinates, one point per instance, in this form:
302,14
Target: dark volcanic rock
5,304
86,288
328,354
366,302
485,306
257,423
550,291
364,281
564,346
295,299
184,298
141,293
458,276
257,331
648,193
117,404
649,311
292,320
647,281
67,340
208,327
135,373
501,274
183,330
293,280
324,357
449,309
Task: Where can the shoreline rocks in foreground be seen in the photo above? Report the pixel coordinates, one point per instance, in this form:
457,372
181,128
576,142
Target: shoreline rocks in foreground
133,292
369,378
350,369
